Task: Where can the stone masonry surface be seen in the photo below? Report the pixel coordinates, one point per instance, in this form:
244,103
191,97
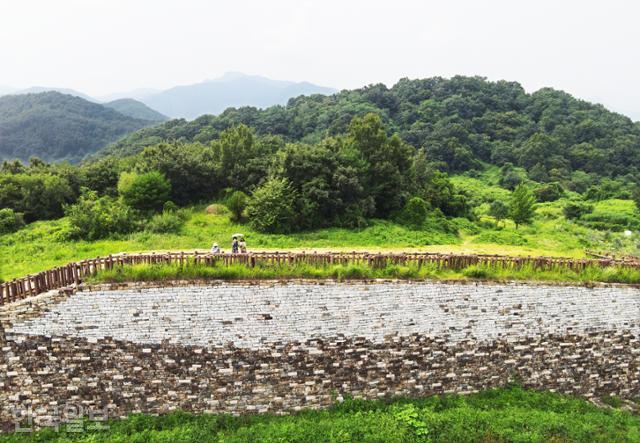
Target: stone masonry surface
248,316
278,347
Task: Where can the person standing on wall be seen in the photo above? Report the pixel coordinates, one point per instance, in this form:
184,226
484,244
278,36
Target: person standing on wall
234,245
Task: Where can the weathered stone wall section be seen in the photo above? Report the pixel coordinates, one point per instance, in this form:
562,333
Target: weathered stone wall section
251,315
280,347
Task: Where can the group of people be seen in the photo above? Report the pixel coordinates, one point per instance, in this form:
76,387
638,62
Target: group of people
238,246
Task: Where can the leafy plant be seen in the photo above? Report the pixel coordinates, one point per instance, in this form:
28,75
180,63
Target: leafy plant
10,221
165,223
145,192
94,217
237,203
522,206
271,208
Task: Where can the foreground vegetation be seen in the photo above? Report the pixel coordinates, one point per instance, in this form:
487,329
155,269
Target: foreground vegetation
43,245
459,165
501,415
165,272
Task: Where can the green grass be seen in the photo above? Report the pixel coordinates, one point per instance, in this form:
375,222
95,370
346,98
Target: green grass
163,272
41,245
510,414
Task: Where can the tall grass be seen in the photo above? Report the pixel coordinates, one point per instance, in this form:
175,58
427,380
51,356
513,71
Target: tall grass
501,415
44,245
191,271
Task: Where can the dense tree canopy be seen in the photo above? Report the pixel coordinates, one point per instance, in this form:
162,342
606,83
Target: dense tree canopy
459,122
341,160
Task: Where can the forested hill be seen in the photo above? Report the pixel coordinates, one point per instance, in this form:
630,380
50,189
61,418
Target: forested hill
461,122
55,126
134,108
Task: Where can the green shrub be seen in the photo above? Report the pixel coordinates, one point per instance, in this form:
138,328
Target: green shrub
169,206
480,272
574,210
145,192
92,218
414,213
236,204
499,210
271,207
165,223
10,221
610,221
549,192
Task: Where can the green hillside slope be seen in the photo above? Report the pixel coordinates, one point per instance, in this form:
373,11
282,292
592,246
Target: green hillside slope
461,122
134,108
55,126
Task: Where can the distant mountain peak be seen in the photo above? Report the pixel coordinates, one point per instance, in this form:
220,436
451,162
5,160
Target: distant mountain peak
231,75
233,89
67,91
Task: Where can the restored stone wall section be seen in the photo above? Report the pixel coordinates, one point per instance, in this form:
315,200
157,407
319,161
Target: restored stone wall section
280,347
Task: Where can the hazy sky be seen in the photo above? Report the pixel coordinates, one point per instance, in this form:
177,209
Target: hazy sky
588,48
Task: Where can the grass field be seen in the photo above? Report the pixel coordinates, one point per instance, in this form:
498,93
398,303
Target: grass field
502,415
42,245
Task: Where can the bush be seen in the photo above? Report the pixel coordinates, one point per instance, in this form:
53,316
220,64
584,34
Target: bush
575,210
165,223
610,222
549,192
479,272
169,206
145,192
499,210
271,207
216,209
414,213
93,218
236,204
10,221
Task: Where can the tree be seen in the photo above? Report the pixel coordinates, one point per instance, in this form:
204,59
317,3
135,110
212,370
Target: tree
10,221
549,192
499,211
93,218
39,196
388,162
415,212
522,205
575,210
145,192
190,168
236,204
271,208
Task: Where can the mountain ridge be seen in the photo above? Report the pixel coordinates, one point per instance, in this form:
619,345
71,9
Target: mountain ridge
233,89
136,109
55,126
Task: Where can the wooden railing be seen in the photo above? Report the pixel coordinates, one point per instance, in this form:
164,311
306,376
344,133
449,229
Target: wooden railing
74,273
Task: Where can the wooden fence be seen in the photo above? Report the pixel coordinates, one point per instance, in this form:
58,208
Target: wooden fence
74,273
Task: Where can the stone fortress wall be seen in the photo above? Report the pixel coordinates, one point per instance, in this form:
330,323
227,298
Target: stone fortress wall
283,346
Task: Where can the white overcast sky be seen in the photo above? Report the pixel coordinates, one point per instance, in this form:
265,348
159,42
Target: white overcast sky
589,48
